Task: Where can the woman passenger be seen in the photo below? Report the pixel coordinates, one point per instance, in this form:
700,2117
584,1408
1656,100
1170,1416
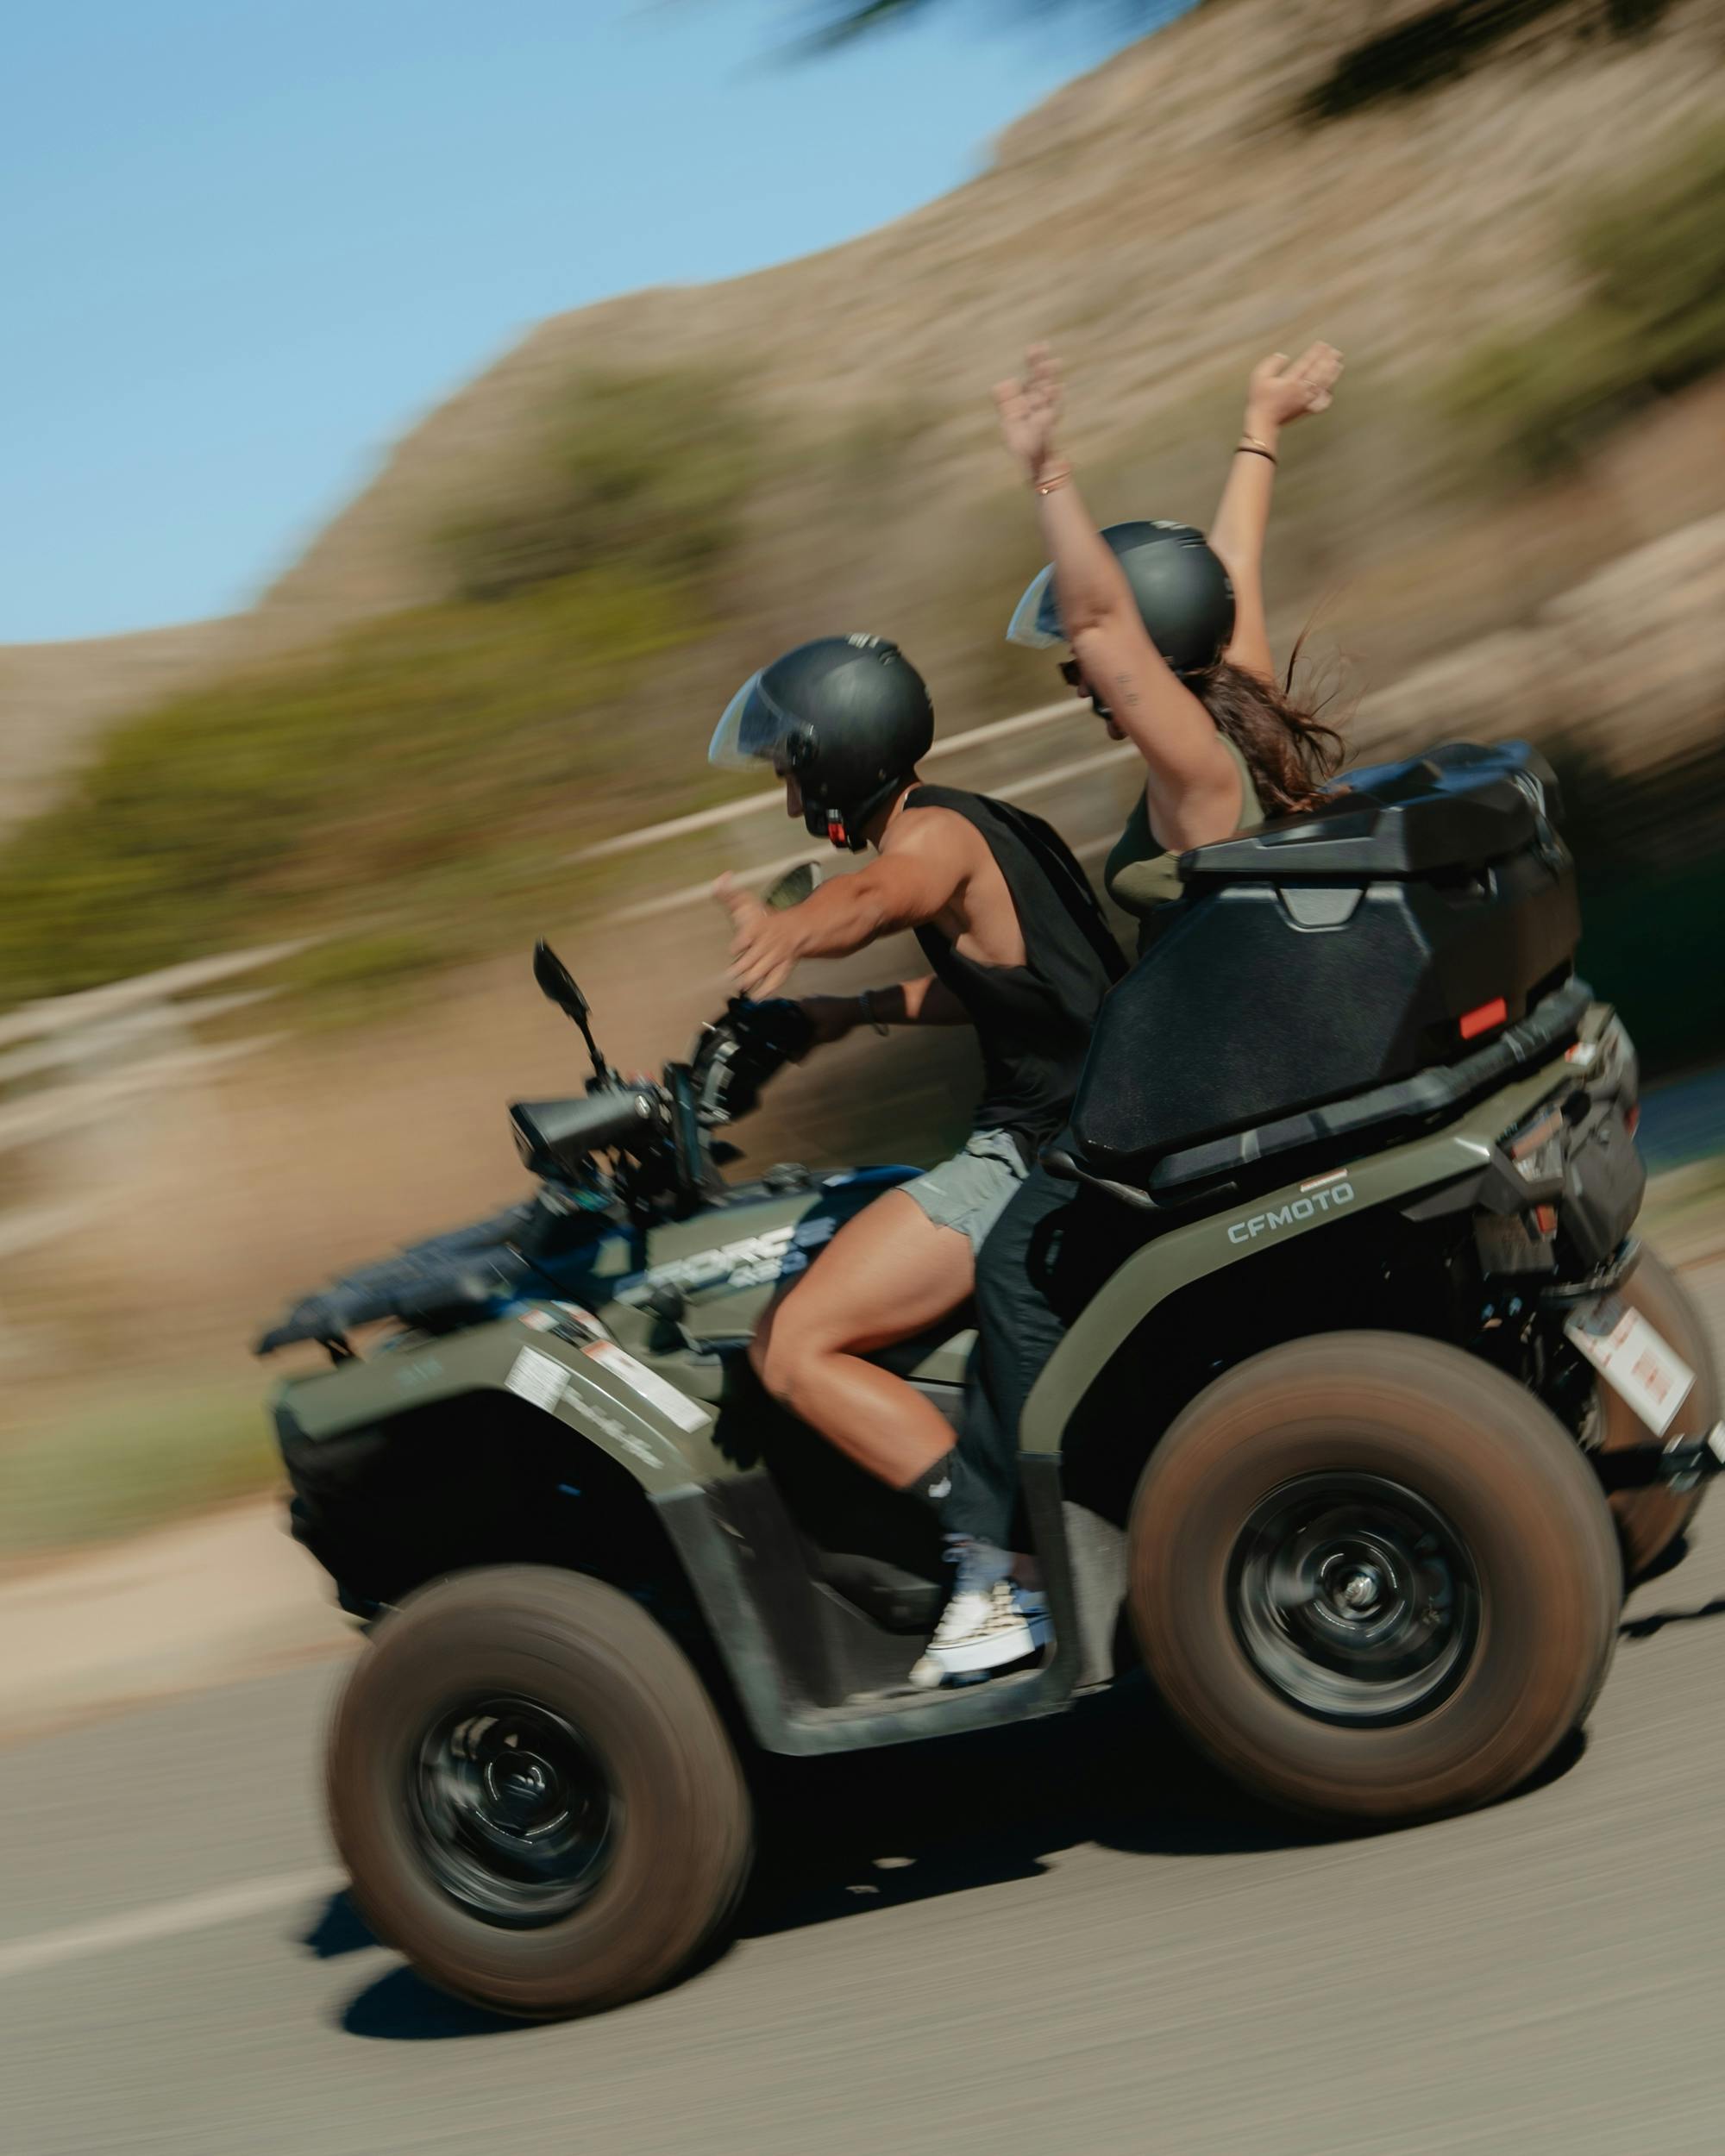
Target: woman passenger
1167,639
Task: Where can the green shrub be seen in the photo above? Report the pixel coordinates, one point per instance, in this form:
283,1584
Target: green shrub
1442,43
393,780
1651,322
1649,848
119,1462
1656,252
646,471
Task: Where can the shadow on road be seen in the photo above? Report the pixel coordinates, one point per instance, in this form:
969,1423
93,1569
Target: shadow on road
880,1830
1645,1627
400,2008
397,2005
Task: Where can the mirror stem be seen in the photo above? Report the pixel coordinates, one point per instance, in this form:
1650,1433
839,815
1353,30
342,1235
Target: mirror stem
600,1071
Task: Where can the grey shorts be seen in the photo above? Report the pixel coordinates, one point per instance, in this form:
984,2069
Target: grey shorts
972,1190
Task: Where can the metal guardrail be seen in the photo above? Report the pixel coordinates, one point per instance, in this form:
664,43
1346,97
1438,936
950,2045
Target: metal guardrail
67,1063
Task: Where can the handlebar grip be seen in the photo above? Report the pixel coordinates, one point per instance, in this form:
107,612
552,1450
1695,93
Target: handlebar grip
608,1118
562,1130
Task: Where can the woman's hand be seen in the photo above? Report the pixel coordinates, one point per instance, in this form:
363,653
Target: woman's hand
1030,411
1282,390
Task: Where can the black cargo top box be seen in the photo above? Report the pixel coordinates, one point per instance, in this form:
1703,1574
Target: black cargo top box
1418,910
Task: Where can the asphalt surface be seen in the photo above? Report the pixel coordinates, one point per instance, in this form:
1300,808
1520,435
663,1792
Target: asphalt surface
1067,1938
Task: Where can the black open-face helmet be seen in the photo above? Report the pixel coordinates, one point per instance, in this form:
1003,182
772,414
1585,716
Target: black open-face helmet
1182,589
848,717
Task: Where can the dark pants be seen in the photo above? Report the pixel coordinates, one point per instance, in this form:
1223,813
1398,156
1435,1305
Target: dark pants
1043,1261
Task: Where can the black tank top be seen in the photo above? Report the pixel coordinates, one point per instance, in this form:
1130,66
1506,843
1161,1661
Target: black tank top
1033,1021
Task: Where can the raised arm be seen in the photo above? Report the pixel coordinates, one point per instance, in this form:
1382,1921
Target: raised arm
1278,393
1192,786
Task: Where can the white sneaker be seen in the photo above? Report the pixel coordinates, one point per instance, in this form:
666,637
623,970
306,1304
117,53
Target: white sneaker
989,1623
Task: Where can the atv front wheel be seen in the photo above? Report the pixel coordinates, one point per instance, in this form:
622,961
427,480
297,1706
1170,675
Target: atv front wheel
1373,1578
1650,1519
533,1793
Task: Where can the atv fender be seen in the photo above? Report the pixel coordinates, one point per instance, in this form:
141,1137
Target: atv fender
663,1438
1181,1255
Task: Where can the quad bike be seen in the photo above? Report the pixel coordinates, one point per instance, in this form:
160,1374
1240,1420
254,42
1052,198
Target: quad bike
1353,1451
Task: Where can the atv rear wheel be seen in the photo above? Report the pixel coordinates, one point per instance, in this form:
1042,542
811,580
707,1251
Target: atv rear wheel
1650,1520
1373,1578
533,1793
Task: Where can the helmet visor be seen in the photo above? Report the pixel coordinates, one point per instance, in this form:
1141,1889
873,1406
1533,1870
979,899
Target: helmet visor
752,729
1035,620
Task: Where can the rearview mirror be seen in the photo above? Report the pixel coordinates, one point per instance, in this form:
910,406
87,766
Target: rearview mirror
556,982
792,887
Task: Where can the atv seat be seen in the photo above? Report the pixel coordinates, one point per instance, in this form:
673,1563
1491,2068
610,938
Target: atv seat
1376,961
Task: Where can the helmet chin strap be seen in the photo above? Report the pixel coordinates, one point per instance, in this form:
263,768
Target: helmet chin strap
843,827
830,824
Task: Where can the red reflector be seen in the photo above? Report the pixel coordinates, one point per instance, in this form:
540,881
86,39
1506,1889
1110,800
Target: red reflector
1546,1219
1633,1118
1482,1020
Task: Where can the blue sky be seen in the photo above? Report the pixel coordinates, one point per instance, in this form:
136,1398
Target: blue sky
248,241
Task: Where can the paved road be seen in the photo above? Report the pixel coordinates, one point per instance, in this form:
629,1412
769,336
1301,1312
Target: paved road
1067,1939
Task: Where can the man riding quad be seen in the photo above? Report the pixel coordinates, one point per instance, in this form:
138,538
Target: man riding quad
1018,949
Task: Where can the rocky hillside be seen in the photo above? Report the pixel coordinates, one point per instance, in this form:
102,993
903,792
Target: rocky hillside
1165,219
513,639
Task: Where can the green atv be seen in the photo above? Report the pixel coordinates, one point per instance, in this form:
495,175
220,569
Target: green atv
1353,1451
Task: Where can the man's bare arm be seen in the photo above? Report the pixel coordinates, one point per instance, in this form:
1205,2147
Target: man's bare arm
904,887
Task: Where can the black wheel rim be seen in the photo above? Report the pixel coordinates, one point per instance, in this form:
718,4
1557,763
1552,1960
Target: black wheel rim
1355,1600
512,1811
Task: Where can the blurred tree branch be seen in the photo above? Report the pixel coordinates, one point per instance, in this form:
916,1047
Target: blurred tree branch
837,21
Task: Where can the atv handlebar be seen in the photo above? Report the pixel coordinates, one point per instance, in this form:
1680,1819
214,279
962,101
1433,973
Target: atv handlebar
739,1051
733,1058
555,1136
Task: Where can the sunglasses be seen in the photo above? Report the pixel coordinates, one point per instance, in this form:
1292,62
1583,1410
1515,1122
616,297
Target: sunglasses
1073,675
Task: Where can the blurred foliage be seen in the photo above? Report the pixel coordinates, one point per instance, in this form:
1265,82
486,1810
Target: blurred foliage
1441,44
1650,942
1652,321
401,793
412,770
650,470
347,978
1650,862
837,21
1434,46
119,1462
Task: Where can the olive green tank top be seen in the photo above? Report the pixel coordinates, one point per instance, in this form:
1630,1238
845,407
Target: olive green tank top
1143,879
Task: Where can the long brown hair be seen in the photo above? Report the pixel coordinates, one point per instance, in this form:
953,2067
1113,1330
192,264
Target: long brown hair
1288,748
